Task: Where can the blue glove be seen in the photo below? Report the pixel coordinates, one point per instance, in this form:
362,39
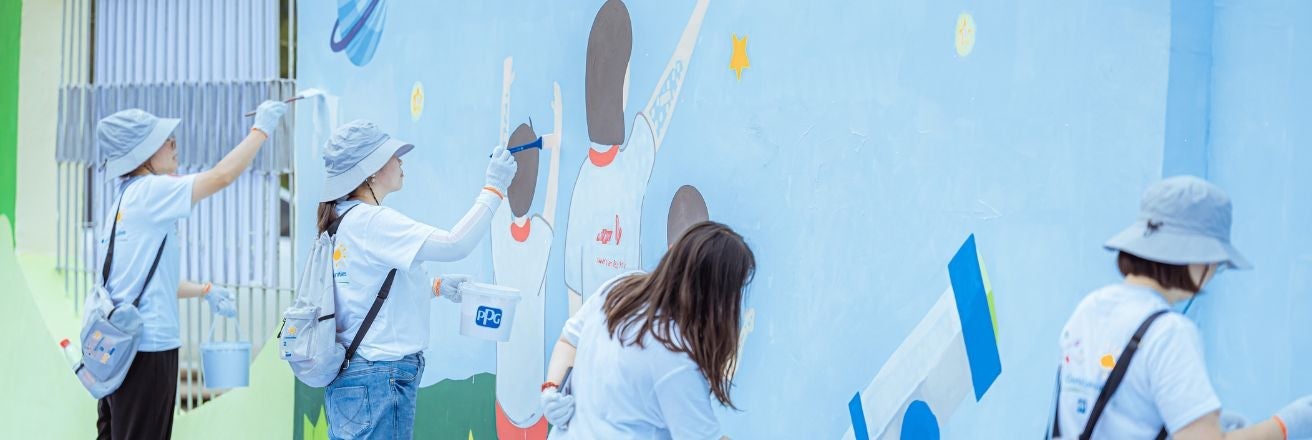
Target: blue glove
450,286
501,169
222,302
268,115
1297,418
558,408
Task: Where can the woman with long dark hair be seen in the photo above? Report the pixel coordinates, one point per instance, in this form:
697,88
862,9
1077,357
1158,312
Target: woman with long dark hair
649,351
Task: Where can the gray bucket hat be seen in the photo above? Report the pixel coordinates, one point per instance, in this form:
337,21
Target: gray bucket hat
356,150
1182,220
128,138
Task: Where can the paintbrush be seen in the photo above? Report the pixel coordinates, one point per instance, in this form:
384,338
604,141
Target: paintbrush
304,94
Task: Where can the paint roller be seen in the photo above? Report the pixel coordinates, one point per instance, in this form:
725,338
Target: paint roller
307,93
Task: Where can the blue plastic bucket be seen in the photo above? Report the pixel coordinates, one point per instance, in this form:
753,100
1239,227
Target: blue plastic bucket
226,364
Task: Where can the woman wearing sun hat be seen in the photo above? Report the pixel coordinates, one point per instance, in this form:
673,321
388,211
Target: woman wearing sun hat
140,153
374,397
1131,368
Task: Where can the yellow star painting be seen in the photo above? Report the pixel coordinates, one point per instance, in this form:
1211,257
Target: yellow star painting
739,61
965,40
416,101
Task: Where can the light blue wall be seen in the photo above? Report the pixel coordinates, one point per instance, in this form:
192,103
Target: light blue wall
859,150
1256,323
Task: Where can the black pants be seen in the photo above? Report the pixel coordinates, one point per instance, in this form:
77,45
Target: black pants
142,408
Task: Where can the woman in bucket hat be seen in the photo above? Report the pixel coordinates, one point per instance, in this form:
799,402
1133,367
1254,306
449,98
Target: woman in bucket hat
1131,368
374,396
140,153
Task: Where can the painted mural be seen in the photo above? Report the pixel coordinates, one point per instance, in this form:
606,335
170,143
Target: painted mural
860,150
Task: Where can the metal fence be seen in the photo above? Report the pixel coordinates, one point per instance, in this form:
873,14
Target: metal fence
208,63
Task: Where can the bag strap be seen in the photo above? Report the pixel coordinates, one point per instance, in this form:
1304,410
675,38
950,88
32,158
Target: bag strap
332,227
1056,409
113,233
149,275
109,253
1118,374
373,310
369,318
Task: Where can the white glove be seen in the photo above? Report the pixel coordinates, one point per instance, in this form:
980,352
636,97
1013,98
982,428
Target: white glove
222,302
501,169
449,287
268,115
1297,418
558,408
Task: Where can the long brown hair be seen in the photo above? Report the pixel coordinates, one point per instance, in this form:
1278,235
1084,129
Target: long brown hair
696,291
327,215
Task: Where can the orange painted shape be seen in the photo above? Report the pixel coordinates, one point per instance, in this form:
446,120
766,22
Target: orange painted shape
601,159
1107,361
520,233
507,430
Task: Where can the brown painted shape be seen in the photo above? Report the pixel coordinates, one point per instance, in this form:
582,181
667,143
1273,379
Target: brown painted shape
610,43
525,183
686,209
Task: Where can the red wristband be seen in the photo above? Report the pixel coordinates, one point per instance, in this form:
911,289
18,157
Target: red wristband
549,384
1283,430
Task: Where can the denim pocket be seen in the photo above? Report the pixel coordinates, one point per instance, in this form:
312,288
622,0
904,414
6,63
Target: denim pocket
348,411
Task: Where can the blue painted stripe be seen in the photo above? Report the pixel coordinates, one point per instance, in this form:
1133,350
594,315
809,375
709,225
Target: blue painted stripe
976,322
858,418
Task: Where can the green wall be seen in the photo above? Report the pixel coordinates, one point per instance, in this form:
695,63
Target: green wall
11,18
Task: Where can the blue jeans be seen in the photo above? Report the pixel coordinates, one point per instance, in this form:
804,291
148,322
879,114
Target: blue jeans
374,400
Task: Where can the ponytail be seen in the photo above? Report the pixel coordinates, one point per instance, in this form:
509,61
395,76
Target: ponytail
327,215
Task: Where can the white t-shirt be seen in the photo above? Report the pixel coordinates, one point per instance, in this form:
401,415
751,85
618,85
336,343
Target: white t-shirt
628,392
150,210
1166,384
371,241
602,234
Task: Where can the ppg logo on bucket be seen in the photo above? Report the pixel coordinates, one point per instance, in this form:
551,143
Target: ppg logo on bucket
488,317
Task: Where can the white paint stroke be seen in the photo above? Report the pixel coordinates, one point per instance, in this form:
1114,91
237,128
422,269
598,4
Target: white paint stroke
660,108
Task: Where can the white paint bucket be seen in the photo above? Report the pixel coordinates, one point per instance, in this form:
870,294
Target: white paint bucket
487,311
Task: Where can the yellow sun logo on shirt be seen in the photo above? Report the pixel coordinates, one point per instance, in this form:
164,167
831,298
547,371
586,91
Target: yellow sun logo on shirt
339,253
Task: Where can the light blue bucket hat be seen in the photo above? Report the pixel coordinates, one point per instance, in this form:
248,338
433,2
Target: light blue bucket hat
128,138
1182,220
355,151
